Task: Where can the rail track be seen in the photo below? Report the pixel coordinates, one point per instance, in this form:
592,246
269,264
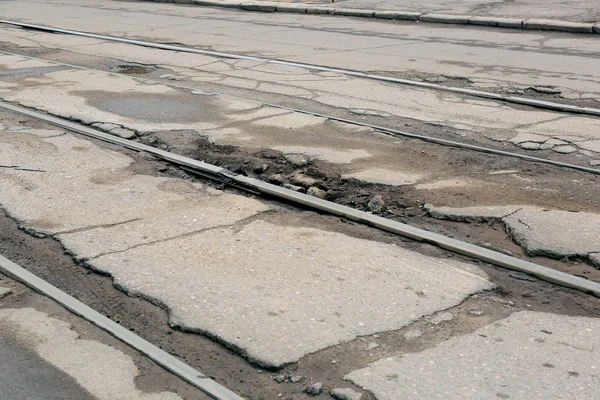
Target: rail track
278,194
385,130
302,200
548,105
164,359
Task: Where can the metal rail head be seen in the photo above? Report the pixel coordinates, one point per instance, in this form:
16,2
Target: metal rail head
476,93
162,358
304,200
382,129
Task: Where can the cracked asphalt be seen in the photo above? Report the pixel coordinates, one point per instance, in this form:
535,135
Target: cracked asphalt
271,300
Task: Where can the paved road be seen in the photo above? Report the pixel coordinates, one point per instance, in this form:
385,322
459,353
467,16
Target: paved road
576,10
492,58
264,284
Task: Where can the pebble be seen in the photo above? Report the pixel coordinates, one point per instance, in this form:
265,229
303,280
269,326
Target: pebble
376,204
4,292
316,192
314,172
279,378
476,313
345,394
372,345
276,179
442,317
298,160
260,168
293,187
314,390
529,145
295,378
413,334
303,180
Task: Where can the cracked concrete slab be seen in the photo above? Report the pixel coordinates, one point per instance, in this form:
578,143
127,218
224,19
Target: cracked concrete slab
495,120
552,233
84,186
101,370
521,58
193,249
278,293
529,355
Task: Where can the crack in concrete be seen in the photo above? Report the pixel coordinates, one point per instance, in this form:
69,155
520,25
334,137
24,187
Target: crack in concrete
89,228
236,224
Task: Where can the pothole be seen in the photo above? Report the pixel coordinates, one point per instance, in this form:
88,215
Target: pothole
132,69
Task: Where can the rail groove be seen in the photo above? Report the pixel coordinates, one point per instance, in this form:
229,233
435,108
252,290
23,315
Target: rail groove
312,67
300,199
382,129
164,359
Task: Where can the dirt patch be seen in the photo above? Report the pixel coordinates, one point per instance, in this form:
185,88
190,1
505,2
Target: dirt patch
46,258
557,189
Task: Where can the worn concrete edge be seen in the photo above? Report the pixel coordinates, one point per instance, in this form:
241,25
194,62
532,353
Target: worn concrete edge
433,86
159,356
382,129
254,185
416,16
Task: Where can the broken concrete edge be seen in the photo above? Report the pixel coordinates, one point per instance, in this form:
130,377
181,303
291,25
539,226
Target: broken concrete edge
256,186
415,16
159,356
592,258
434,86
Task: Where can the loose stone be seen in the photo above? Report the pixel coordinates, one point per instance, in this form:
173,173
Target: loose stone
293,187
304,181
276,179
345,394
316,192
314,390
298,160
377,205
372,346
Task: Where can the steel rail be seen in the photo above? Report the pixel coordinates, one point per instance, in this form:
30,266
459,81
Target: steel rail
162,358
254,185
548,105
388,131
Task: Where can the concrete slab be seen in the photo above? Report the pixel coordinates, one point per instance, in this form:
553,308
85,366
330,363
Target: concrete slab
278,293
102,372
528,355
552,233
84,186
557,61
